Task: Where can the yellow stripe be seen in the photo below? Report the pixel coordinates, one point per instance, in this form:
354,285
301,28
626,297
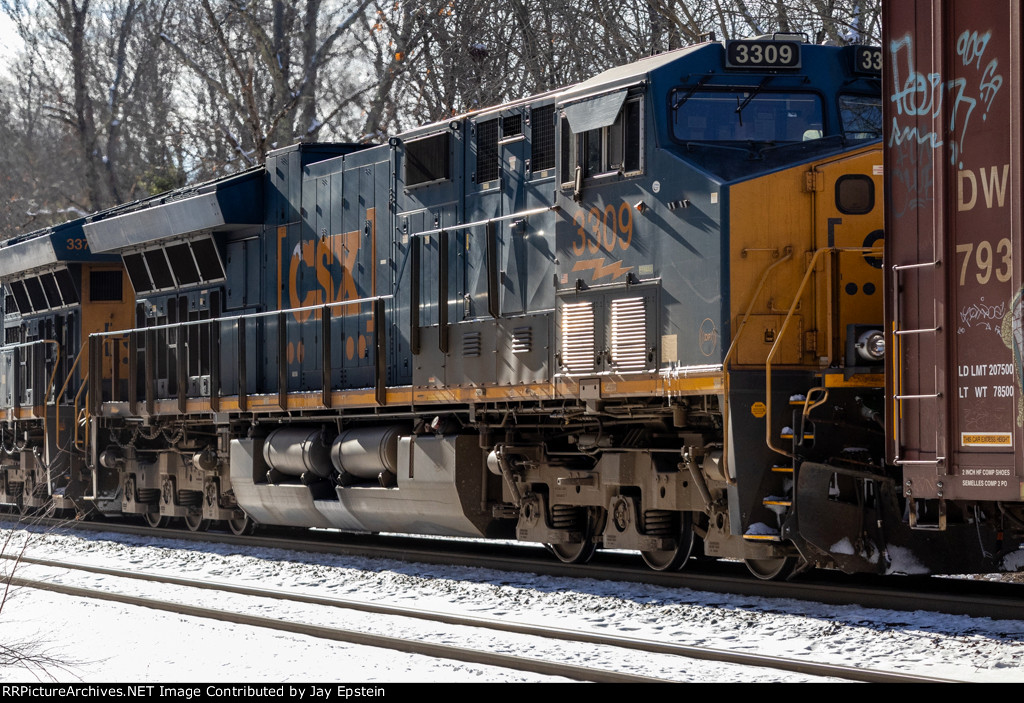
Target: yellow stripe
652,386
861,380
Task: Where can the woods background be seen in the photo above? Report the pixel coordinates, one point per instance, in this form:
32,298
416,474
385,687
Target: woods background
108,101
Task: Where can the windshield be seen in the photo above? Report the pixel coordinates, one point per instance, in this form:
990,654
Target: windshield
747,116
861,116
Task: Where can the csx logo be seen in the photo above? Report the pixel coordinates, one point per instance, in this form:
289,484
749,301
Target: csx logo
311,270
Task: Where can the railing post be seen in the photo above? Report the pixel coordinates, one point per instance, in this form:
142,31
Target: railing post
149,370
181,365
282,360
380,335
115,369
214,352
325,357
133,372
95,374
243,397
415,254
442,291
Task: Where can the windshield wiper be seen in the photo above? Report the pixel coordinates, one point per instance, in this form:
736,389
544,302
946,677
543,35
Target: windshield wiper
754,92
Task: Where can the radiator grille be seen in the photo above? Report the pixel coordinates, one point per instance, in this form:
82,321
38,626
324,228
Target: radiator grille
578,337
629,334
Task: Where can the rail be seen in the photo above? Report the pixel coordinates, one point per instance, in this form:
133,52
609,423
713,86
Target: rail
22,381
787,255
896,364
189,353
811,267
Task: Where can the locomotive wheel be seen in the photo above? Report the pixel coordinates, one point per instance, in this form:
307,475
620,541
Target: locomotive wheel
673,559
578,552
242,526
155,519
574,552
772,569
195,522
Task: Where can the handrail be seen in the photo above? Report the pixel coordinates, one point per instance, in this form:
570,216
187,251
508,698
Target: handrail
896,364
56,362
728,354
56,403
99,340
819,253
247,316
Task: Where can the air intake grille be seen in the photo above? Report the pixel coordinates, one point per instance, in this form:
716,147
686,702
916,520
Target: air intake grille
511,126
522,340
578,337
629,334
487,151
471,344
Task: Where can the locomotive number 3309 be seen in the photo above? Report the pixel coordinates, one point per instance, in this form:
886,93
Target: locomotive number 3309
598,229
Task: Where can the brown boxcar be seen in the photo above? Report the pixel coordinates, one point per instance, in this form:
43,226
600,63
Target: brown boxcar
953,234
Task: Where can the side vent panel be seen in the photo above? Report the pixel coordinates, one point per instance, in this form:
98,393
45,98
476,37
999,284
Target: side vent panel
522,340
471,344
629,334
578,341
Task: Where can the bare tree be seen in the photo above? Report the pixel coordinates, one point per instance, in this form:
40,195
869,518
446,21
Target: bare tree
89,68
111,100
259,67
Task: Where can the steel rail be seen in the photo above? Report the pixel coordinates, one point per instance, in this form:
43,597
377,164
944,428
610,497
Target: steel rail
551,633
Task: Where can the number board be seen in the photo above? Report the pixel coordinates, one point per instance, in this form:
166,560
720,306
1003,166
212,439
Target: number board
757,53
867,59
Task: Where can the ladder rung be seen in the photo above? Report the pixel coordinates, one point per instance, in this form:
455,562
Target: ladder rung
762,538
916,397
904,267
920,331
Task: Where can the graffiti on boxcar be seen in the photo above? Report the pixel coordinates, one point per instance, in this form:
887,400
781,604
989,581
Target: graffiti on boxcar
980,314
917,125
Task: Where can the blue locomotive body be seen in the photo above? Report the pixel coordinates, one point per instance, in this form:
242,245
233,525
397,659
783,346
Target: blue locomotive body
577,319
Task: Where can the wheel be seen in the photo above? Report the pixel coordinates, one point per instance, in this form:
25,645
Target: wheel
195,522
772,569
574,552
579,552
674,559
155,519
242,526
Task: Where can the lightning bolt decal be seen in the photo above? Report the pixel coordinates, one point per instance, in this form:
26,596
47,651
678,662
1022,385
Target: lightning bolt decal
614,269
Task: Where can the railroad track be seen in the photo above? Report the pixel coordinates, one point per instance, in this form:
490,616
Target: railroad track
974,598
619,649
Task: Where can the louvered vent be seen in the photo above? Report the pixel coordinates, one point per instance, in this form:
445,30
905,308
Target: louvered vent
511,126
629,334
471,344
522,340
578,337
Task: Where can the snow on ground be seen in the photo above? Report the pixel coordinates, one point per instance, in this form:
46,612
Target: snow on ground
98,641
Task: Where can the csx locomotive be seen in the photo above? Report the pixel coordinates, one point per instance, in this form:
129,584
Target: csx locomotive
644,312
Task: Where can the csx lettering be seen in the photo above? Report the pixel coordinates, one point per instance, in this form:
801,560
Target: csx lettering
600,229
320,256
